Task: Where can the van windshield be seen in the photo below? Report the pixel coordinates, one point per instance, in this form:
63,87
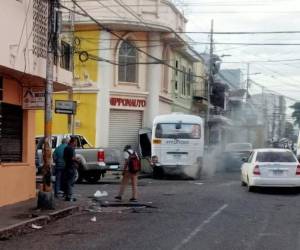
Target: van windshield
178,131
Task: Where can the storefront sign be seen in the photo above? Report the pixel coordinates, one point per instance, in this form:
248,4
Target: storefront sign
33,98
124,102
65,107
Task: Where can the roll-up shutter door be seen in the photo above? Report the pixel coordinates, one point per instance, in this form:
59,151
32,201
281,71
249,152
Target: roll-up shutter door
11,133
124,128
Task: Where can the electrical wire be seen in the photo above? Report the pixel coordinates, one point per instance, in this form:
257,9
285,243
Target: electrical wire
128,42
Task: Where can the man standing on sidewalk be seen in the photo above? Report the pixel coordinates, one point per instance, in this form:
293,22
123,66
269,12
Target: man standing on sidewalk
58,157
70,169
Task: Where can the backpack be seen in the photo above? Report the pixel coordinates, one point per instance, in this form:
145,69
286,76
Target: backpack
134,163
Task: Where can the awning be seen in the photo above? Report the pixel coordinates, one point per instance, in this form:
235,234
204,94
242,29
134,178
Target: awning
28,80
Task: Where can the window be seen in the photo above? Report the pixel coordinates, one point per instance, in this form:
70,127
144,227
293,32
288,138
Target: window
176,66
275,157
11,127
176,86
166,58
178,131
66,51
128,58
176,76
39,142
189,82
183,81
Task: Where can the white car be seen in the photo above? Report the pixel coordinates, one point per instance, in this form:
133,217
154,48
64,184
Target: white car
271,168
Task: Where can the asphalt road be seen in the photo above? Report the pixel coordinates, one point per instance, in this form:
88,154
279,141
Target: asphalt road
213,213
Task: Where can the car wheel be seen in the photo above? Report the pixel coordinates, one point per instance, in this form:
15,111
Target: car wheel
250,188
92,177
243,184
79,177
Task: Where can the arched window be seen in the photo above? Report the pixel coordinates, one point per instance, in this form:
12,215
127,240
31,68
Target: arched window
128,58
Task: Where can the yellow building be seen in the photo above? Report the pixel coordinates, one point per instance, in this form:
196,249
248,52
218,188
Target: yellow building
85,91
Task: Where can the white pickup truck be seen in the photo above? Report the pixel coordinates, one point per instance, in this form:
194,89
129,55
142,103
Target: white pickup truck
94,162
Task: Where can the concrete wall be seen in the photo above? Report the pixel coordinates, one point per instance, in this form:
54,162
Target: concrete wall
16,43
17,180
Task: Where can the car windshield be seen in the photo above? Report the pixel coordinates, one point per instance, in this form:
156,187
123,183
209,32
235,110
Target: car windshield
275,157
39,142
178,131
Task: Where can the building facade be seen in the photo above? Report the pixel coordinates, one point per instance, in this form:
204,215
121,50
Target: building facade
271,113
137,70
22,82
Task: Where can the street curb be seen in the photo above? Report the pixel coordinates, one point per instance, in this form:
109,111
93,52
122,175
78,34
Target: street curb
63,213
25,226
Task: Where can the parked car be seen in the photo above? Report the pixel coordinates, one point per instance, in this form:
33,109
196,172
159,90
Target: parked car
233,155
94,162
271,168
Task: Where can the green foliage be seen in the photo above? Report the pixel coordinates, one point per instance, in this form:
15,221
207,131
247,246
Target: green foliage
296,113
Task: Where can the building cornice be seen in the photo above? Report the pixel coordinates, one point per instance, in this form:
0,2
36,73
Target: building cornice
129,93
81,90
165,99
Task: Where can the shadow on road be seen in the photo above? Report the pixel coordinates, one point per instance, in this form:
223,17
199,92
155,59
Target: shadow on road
277,191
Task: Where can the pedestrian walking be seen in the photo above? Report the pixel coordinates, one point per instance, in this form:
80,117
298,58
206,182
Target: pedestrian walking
70,168
132,166
58,158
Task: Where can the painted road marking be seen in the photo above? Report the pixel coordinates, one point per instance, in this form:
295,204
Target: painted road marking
198,183
200,227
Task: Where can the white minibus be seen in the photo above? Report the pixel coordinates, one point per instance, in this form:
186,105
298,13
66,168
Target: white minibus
177,145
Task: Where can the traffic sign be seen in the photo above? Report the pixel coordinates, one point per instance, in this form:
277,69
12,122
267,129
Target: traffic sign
65,107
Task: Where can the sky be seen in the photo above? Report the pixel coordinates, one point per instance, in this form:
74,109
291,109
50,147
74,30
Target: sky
249,16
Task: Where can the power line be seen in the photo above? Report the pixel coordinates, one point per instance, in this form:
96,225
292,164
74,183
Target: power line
240,32
128,42
266,61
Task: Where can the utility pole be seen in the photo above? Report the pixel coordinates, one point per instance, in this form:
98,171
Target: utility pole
247,81
210,79
71,119
45,197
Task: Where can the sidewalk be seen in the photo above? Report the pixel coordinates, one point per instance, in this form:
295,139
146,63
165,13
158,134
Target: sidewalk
23,217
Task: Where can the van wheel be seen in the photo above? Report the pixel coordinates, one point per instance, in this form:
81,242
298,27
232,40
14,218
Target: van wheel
92,177
158,173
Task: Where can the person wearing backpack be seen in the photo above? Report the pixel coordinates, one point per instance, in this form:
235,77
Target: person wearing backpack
131,168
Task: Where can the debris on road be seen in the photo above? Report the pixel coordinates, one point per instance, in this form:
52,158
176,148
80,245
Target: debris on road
93,219
199,183
36,226
99,194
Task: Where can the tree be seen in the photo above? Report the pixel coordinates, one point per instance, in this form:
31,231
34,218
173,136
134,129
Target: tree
296,113
289,130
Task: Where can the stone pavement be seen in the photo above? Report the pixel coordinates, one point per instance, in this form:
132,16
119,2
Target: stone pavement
24,217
